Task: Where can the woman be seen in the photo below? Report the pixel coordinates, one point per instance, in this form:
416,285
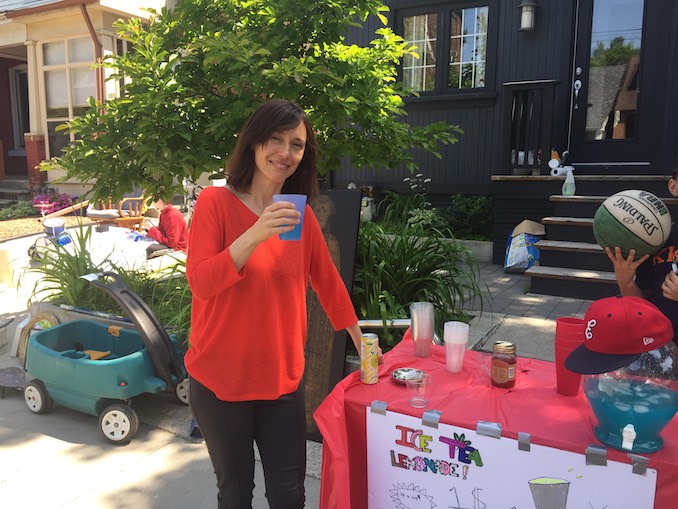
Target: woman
246,358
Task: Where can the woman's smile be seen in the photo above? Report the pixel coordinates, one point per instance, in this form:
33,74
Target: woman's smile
280,155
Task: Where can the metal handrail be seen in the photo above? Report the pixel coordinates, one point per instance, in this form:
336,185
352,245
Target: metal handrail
394,323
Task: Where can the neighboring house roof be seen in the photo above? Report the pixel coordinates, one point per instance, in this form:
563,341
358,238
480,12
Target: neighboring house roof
604,84
17,5
19,8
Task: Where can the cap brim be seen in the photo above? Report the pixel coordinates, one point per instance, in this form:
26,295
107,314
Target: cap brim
584,361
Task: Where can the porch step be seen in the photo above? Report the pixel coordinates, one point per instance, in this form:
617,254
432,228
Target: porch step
12,182
565,245
568,282
573,255
14,189
587,205
568,221
568,228
598,199
571,274
571,263
10,196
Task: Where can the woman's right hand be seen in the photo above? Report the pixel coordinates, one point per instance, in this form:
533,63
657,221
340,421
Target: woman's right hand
279,217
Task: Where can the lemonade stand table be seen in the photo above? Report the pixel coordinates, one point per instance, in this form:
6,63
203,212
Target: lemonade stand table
465,398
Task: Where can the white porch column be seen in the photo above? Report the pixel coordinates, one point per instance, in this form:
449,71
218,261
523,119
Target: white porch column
34,106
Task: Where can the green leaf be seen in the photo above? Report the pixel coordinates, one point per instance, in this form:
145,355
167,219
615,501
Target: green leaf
196,73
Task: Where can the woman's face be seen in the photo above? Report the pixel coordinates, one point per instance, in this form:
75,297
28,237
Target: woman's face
278,158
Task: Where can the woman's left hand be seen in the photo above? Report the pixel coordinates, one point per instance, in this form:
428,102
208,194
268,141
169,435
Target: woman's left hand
356,335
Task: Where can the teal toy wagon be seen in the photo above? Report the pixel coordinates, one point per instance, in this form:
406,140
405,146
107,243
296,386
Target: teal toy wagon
97,369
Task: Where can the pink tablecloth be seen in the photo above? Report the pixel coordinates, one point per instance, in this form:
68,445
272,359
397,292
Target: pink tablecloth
532,406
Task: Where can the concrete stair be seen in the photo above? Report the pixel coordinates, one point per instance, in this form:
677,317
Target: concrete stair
571,263
14,189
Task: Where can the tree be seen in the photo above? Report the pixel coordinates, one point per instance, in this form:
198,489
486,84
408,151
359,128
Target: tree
196,74
617,53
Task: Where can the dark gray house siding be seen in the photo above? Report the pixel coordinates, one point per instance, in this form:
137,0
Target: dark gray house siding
545,53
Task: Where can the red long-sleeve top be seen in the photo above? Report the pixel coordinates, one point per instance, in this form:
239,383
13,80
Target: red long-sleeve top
171,229
248,328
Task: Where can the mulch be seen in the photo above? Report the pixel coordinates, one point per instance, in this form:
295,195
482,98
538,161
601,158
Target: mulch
11,228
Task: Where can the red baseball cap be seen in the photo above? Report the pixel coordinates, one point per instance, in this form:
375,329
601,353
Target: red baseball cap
618,331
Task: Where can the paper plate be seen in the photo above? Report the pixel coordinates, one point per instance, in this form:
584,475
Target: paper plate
402,375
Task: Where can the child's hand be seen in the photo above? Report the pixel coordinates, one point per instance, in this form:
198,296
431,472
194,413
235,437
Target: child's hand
670,286
624,268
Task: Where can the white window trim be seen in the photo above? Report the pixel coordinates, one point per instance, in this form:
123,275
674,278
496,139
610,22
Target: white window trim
42,68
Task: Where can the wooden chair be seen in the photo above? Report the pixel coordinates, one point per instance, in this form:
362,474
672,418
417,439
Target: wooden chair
128,212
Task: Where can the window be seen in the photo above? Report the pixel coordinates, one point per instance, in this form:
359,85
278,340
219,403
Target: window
123,47
452,42
422,31
69,81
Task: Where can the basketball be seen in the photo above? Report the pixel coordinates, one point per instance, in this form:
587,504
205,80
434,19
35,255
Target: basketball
632,219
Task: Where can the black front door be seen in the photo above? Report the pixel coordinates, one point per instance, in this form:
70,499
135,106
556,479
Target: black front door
618,83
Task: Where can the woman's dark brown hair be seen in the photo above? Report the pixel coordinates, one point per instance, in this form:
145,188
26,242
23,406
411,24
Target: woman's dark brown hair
276,115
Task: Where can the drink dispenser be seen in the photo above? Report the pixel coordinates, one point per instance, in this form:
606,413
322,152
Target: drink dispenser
634,403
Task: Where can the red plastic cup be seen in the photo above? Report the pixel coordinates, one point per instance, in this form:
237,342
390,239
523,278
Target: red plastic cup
569,329
569,335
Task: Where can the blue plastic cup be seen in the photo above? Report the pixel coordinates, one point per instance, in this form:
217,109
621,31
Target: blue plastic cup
299,201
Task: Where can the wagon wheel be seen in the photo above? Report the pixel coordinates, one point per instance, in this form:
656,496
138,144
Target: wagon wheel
119,423
37,398
181,391
43,319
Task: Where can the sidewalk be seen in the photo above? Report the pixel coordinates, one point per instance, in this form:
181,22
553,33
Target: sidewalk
60,460
510,313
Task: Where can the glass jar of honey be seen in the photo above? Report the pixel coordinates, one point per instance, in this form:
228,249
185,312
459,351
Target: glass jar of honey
503,372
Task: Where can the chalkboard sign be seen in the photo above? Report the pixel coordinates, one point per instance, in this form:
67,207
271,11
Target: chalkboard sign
338,213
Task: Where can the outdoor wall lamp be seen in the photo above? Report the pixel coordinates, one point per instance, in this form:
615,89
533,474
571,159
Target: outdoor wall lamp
528,9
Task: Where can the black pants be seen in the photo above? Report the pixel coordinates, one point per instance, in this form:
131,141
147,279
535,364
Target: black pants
230,430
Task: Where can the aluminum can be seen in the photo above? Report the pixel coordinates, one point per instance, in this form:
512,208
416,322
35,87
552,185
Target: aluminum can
369,358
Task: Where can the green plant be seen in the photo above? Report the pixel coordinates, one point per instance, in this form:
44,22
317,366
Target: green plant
429,220
414,210
196,73
395,269
60,270
170,298
18,210
393,211
166,292
471,216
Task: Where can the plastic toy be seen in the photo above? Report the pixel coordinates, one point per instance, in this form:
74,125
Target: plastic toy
97,369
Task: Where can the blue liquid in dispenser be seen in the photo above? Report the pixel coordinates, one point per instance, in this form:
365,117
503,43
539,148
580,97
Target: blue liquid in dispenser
618,402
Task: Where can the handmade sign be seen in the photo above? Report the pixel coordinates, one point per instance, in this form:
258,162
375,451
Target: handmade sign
412,465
